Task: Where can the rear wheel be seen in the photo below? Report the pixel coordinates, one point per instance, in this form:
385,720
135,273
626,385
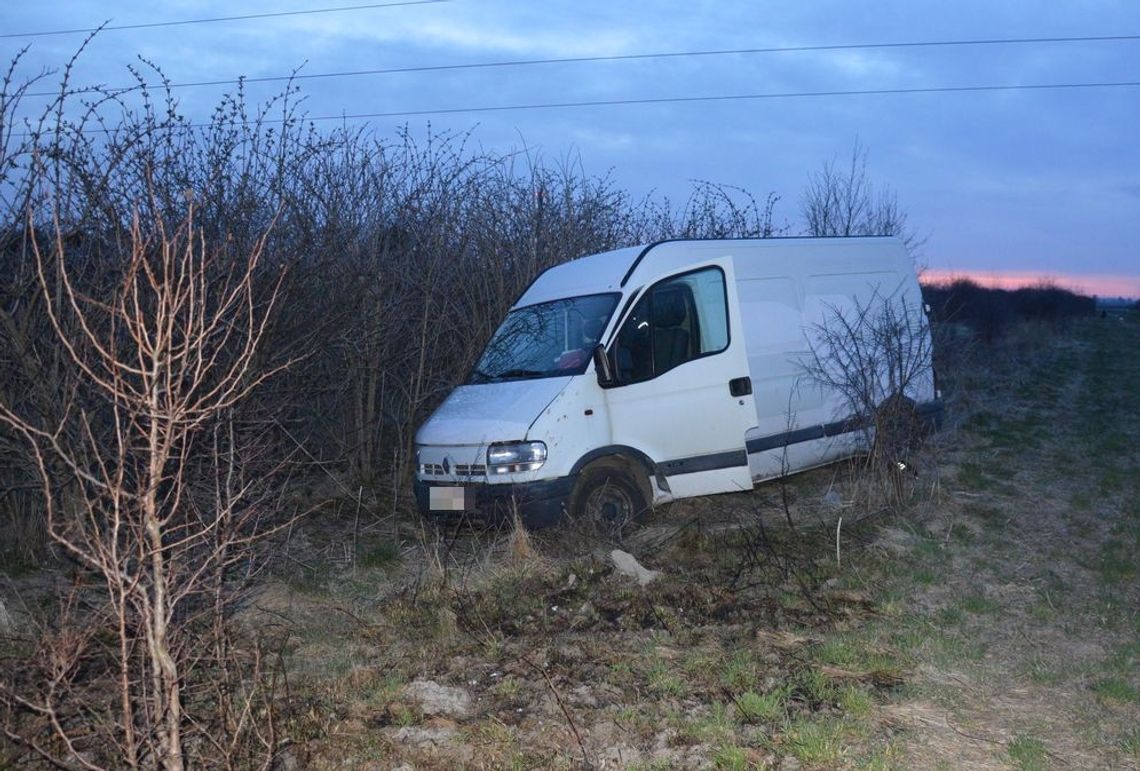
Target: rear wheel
607,497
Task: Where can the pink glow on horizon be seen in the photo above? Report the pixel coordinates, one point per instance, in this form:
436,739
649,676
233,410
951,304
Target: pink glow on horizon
1097,284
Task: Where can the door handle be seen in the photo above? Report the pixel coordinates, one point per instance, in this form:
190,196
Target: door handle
740,386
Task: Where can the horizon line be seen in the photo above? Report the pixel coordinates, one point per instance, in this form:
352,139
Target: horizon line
1092,284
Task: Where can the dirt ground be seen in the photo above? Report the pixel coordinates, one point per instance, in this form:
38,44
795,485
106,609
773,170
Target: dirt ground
991,621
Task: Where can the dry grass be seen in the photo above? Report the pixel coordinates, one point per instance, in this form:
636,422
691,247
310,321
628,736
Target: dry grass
990,623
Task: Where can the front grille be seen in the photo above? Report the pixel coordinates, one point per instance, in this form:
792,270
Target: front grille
461,470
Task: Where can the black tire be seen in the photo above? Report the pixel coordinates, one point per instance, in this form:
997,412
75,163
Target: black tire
606,497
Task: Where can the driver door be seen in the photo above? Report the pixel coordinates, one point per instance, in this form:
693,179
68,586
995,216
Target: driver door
683,394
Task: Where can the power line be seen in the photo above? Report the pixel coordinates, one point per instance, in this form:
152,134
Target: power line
246,17
729,98
640,56
695,99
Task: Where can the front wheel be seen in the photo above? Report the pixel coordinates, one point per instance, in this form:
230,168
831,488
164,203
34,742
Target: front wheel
606,497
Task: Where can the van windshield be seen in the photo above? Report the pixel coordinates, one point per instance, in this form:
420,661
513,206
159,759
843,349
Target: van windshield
545,340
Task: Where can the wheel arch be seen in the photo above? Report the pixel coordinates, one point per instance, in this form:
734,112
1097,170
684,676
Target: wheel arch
640,465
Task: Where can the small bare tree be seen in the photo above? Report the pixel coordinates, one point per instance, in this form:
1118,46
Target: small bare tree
843,201
142,490
877,354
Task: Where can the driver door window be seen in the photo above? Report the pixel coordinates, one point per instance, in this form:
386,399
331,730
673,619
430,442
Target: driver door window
678,320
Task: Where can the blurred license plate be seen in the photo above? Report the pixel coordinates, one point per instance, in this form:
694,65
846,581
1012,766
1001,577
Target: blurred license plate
451,499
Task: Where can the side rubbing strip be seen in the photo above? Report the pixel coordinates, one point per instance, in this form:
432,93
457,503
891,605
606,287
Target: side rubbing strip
731,459
803,435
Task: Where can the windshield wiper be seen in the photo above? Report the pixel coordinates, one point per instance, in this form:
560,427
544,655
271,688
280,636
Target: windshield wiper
519,373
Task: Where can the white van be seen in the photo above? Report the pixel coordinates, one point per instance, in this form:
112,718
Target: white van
630,378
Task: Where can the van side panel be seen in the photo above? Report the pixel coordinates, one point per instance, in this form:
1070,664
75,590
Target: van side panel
787,288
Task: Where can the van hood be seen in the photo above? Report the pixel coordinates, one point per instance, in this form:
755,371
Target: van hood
490,412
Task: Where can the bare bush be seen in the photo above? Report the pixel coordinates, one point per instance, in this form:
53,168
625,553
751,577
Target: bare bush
713,211
145,489
843,201
877,355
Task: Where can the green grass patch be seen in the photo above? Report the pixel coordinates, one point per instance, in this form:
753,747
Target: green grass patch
379,553
1116,689
740,671
1042,671
956,648
856,702
731,758
816,742
663,680
949,616
772,707
1119,560
1027,753
710,726
978,604
814,686
861,651
1130,743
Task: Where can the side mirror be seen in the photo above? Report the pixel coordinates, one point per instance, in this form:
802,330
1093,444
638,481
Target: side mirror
602,367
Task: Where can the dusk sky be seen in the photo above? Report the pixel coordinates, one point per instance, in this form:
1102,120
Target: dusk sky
1002,182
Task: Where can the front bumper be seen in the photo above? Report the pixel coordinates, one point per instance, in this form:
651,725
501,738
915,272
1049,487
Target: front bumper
539,504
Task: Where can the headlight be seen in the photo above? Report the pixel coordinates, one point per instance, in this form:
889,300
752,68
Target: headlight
512,457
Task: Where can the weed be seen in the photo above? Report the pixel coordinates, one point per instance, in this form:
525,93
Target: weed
816,742
1126,658
740,671
949,616
957,648
855,702
979,604
883,758
815,687
731,758
711,726
663,681
925,576
772,707
909,637
377,554
1041,671
1130,743
404,716
1027,753
700,663
1118,562
1116,689
507,688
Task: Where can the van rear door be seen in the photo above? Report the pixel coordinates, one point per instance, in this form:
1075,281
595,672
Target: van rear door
682,393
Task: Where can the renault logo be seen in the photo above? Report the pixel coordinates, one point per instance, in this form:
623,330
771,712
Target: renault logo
446,465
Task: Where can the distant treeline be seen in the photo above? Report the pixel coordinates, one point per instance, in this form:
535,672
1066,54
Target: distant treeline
989,311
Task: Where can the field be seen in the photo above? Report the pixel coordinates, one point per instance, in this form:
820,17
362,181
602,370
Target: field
990,621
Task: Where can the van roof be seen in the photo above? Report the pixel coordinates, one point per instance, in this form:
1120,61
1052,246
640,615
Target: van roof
610,271
594,274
